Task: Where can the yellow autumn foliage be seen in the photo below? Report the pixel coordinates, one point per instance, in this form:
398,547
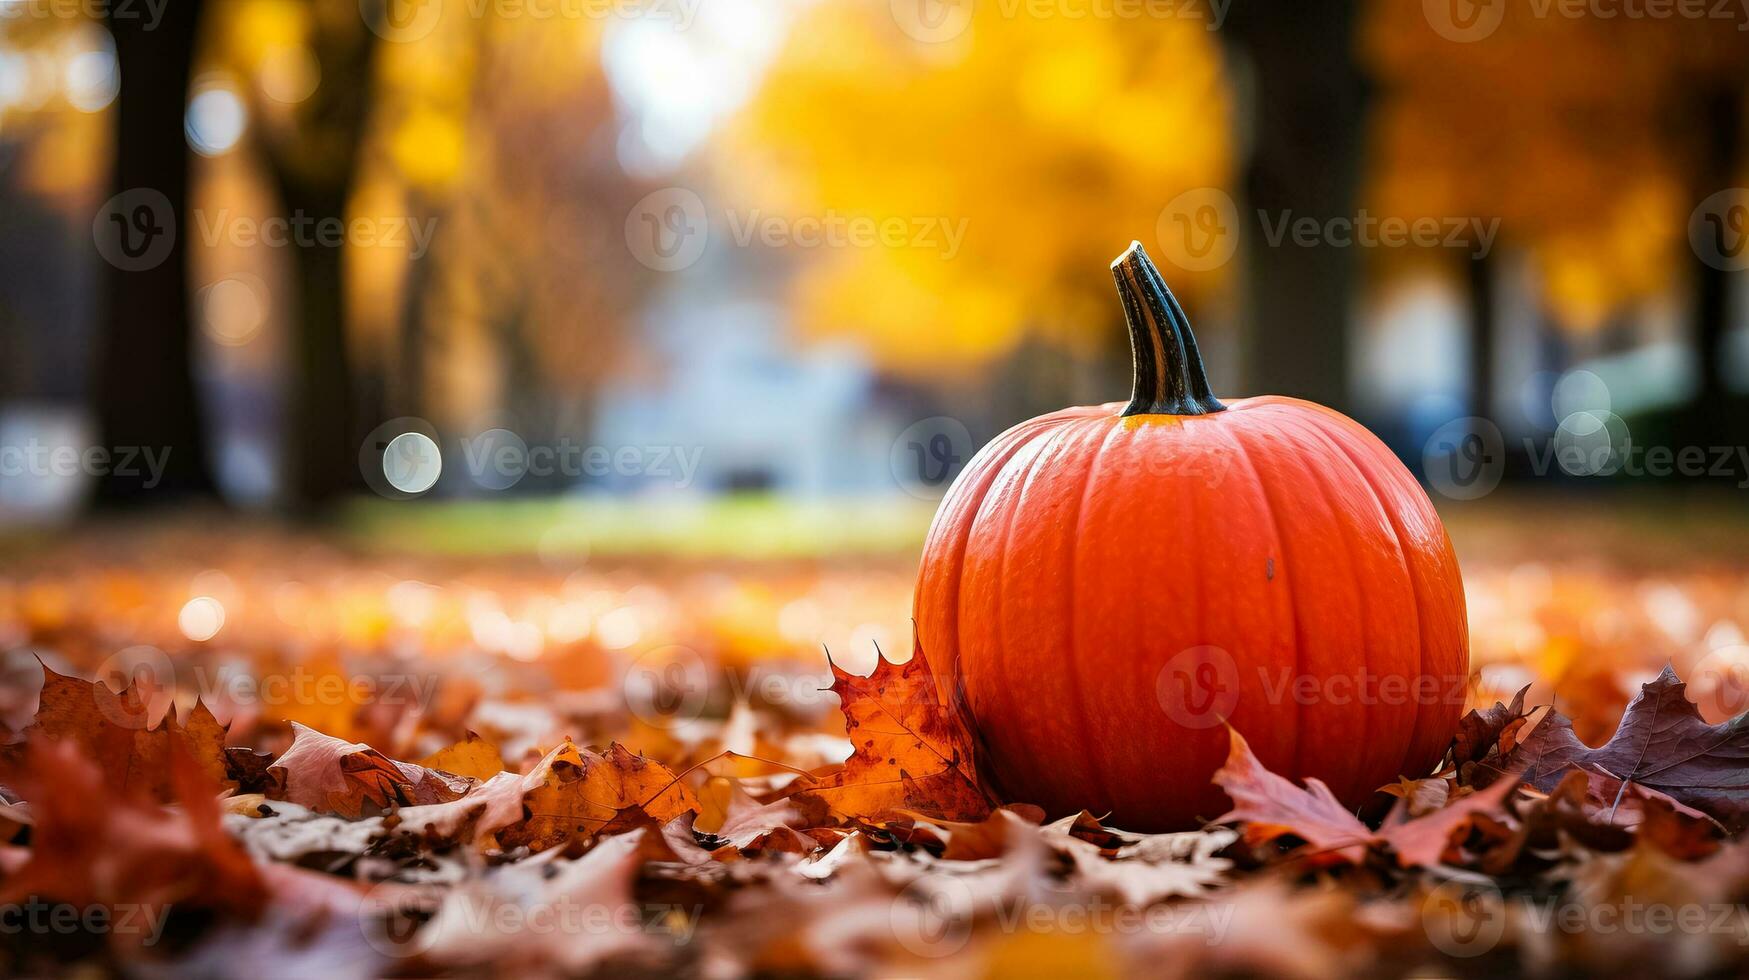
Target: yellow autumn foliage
1013,160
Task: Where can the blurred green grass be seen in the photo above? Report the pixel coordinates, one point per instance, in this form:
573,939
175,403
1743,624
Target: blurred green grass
748,526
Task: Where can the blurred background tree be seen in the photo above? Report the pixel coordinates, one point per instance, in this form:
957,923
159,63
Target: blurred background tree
499,158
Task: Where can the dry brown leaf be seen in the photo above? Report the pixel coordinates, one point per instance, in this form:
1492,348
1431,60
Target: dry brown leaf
1271,806
1662,743
1484,730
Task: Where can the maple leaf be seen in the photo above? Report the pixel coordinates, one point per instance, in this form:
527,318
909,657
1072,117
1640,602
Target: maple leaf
348,779
910,752
115,730
1662,743
1271,806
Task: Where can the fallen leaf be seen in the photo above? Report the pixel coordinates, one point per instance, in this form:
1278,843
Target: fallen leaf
1422,841
351,779
1484,730
116,731
473,757
570,914
574,792
1271,807
910,752
1662,743
89,848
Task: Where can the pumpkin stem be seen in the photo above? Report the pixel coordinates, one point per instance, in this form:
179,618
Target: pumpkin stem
1170,378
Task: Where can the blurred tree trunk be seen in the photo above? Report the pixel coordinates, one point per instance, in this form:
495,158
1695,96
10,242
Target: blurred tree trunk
145,384
1719,129
314,175
1307,103
1481,282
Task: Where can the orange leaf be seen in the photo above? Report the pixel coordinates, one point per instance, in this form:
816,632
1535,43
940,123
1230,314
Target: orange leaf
911,752
116,731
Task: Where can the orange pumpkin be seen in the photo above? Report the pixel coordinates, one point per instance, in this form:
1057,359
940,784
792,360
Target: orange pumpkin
1103,588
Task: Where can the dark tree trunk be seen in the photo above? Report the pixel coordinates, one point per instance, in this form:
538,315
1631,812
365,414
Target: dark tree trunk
145,385
322,439
315,175
1484,333
1307,103
1720,115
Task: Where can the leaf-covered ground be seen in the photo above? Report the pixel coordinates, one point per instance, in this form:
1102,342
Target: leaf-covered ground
258,752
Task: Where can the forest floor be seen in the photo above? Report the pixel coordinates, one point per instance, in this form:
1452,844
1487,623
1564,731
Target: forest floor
538,739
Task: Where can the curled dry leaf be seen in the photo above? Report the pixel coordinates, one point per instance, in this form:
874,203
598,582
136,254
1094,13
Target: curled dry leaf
351,779
910,751
1271,806
1485,730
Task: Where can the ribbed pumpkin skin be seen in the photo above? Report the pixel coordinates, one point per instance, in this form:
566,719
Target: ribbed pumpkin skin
1081,551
